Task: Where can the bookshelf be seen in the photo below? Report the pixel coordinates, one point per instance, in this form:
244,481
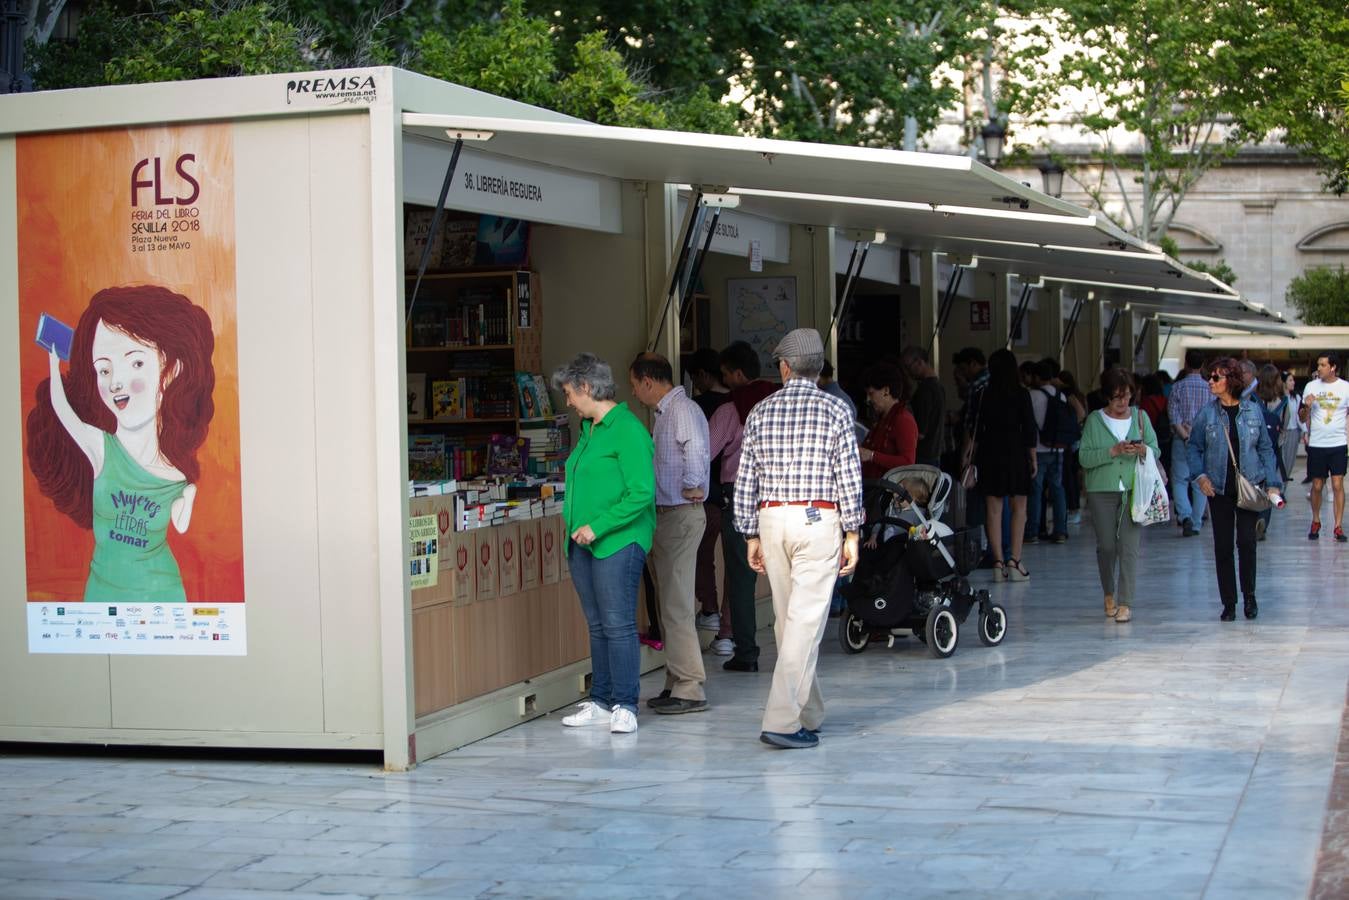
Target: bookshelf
467,336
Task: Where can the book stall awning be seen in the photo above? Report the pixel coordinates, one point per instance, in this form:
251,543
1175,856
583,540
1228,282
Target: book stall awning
1166,319
947,204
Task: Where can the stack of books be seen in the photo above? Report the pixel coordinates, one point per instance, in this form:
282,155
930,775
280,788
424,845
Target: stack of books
549,445
432,488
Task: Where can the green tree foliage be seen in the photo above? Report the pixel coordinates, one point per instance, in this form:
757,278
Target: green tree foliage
212,42
121,43
1162,72
483,45
1292,79
843,72
521,56
1321,296
1219,270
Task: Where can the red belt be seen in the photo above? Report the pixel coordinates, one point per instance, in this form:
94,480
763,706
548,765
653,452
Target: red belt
818,504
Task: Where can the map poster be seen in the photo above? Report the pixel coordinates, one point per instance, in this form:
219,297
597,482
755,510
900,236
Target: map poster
762,311
133,527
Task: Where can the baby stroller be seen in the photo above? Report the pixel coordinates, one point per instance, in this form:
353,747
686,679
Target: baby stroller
913,580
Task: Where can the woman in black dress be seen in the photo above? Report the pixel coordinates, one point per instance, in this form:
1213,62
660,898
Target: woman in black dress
1005,453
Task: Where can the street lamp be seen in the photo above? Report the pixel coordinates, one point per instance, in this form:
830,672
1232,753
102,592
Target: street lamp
1051,174
993,135
12,76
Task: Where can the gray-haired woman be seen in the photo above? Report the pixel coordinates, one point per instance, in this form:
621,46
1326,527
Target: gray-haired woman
610,515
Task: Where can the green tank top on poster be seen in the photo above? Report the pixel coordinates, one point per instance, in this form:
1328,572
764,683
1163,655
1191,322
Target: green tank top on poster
132,562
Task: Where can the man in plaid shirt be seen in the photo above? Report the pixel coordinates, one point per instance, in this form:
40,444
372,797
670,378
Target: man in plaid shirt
1188,396
798,501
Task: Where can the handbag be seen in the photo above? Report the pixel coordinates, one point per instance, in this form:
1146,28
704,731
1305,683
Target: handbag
969,472
1149,504
1249,496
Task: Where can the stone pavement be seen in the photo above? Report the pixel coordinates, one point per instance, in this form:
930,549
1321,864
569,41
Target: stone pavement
1175,756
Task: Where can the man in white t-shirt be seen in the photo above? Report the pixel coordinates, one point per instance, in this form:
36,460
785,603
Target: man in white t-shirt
1325,402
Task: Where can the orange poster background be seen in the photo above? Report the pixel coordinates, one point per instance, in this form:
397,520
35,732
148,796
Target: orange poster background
75,227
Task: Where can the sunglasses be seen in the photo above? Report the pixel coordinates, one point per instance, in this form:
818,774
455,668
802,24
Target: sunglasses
1217,376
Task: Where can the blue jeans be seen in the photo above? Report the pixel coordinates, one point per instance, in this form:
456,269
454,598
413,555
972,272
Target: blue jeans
1189,501
608,591
1048,470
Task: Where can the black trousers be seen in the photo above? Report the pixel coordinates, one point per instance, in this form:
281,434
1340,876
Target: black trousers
741,581
1227,517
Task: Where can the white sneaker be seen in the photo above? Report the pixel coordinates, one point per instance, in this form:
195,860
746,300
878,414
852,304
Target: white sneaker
587,713
624,721
723,647
707,621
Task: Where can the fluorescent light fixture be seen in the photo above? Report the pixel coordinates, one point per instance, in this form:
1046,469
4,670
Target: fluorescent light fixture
463,134
1087,221
1131,254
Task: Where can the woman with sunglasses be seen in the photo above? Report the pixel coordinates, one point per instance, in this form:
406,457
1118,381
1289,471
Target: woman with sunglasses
1231,427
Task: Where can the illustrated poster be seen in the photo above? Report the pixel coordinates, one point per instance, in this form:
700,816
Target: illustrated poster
133,528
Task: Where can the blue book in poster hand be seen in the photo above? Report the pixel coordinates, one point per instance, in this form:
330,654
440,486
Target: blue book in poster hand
53,334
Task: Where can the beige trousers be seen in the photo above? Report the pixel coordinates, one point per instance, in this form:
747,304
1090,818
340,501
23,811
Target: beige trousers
674,562
801,555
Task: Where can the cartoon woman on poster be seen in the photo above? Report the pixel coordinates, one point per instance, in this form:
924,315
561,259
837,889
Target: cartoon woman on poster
114,443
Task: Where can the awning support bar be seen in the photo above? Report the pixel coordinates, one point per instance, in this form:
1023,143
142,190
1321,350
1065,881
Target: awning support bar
1110,332
1142,338
948,301
693,217
850,279
435,225
696,268
1166,341
1019,315
1071,327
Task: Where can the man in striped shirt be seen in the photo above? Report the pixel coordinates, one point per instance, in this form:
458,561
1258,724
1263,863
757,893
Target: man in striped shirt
682,467
1188,395
798,501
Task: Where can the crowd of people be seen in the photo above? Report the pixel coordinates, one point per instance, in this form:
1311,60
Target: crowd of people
774,470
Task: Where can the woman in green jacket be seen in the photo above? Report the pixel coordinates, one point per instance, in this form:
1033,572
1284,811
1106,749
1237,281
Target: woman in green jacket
610,515
1113,439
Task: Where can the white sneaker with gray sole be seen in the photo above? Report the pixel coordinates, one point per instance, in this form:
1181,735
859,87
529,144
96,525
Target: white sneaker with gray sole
588,713
624,721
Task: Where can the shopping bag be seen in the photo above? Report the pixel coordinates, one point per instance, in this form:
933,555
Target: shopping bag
1150,505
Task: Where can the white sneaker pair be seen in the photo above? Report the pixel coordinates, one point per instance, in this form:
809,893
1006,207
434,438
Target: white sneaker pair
621,721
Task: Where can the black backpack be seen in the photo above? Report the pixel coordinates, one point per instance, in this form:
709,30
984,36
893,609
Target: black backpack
1061,429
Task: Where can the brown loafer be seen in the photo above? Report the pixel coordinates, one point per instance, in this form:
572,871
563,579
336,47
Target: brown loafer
1123,614
1110,607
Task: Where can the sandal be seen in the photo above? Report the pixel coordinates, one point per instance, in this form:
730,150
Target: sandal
999,570
1110,607
1015,571
1124,615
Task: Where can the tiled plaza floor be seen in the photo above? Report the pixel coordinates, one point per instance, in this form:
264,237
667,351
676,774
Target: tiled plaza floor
1171,757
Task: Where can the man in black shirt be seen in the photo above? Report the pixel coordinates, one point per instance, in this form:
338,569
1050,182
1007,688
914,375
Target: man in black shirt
704,371
928,404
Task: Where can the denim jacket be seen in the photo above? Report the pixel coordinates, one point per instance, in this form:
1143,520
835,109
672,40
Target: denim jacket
1208,446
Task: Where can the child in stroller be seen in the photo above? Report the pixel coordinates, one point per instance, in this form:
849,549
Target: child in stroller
910,577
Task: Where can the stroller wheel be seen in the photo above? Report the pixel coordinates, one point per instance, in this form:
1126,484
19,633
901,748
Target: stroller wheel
943,632
853,634
992,625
